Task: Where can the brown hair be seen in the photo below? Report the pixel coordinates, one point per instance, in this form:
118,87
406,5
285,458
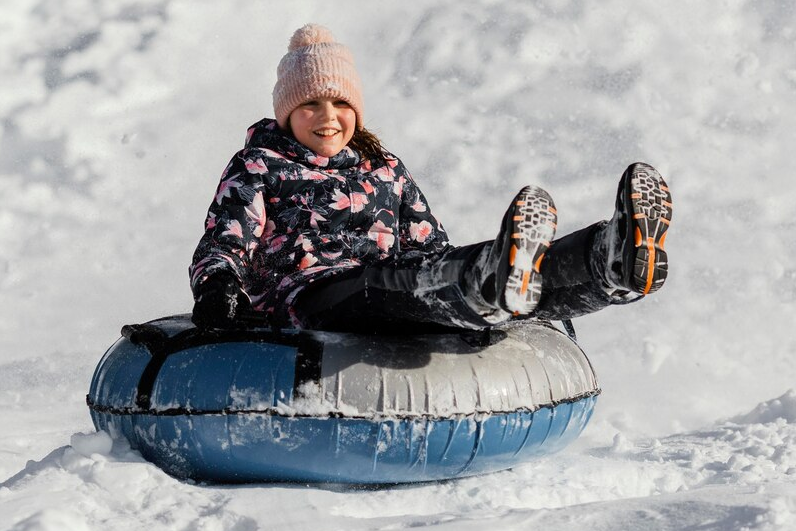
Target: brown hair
367,144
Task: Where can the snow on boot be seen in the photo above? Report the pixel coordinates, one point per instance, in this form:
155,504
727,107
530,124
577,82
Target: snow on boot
511,278
632,242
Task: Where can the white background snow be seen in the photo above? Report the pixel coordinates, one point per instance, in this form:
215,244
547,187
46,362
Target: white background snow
117,118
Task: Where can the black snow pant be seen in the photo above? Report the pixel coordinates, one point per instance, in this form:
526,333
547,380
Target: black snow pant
394,297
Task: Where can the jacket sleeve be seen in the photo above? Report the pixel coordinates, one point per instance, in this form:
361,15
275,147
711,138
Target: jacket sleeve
234,224
419,231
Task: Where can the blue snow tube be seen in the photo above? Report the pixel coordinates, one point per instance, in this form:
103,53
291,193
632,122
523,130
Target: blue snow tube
257,405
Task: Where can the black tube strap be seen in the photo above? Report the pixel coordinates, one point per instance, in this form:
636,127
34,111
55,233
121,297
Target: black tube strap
160,346
570,329
308,362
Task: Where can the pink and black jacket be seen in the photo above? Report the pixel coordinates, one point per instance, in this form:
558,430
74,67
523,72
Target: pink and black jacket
284,217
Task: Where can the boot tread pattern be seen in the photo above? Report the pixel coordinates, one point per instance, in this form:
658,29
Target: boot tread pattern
533,228
652,212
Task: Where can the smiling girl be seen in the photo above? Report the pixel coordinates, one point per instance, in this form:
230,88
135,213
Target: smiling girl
325,125
315,225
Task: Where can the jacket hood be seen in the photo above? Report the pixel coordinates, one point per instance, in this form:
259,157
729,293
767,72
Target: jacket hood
266,134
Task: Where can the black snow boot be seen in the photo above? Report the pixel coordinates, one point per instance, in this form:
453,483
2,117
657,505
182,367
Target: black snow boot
506,277
628,253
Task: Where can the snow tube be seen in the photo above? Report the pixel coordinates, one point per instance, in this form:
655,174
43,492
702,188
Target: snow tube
258,405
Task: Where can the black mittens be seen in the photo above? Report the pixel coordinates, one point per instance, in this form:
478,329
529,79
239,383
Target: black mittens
220,301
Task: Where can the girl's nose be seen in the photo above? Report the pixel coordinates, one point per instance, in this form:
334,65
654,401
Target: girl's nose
327,111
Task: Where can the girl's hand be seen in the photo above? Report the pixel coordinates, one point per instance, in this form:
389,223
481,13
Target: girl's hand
220,301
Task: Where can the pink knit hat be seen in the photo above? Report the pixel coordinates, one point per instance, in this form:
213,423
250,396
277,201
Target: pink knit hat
315,66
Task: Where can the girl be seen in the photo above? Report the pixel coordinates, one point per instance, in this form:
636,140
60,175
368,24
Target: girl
315,225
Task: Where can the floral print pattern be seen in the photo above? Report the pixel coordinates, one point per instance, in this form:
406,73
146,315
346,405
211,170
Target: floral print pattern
283,217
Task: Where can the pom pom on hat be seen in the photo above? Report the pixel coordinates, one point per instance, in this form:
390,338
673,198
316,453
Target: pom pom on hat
310,34
315,66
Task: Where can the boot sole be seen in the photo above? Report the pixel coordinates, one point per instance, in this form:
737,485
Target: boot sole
651,207
532,228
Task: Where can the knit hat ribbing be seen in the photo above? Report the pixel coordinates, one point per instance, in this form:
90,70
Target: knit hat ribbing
315,66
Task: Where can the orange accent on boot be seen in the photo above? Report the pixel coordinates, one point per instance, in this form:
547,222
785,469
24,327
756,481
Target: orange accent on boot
663,239
519,203
552,209
512,254
638,237
640,215
665,221
518,218
650,264
526,278
538,265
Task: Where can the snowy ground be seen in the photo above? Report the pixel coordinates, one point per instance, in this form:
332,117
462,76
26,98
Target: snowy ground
118,117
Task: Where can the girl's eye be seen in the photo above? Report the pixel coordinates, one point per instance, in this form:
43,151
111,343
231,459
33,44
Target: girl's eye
341,103
311,103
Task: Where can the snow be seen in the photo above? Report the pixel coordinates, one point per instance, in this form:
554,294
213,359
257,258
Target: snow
310,400
119,117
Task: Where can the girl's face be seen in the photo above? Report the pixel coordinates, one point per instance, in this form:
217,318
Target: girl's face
324,125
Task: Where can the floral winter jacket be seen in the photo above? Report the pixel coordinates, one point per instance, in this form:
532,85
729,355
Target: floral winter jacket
283,217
